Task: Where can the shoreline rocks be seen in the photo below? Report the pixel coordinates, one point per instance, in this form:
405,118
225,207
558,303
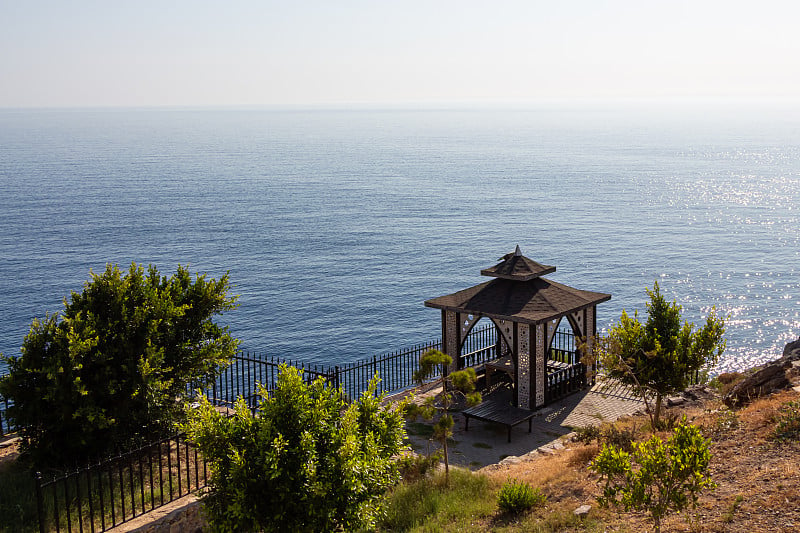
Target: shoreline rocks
777,375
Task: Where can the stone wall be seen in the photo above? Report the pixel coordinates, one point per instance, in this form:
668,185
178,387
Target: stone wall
180,516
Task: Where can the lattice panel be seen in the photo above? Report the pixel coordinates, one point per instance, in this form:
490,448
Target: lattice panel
504,347
524,366
552,327
541,369
506,329
451,347
577,318
466,323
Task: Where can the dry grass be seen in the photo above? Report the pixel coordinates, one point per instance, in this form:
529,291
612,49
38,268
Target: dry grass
758,478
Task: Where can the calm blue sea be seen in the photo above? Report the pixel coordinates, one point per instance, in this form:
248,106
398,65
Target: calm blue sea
336,225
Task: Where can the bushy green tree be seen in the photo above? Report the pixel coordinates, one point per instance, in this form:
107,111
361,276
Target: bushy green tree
111,368
659,357
659,477
459,382
305,461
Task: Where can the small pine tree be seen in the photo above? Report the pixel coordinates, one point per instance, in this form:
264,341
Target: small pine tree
460,382
658,357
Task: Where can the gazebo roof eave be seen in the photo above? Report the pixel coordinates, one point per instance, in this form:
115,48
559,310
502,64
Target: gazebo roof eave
517,318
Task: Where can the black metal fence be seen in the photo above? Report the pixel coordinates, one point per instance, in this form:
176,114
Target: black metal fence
479,346
5,424
101,496
248,371
395,370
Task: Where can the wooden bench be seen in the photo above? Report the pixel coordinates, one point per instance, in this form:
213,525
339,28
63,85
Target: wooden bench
498,412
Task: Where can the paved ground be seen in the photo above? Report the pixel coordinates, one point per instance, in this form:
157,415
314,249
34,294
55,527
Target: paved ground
486,443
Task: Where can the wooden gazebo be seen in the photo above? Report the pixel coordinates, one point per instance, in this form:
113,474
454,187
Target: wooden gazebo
526,310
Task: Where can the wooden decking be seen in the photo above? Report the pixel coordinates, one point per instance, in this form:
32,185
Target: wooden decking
498,410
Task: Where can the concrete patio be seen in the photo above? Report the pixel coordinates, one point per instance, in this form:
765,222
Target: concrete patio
486,443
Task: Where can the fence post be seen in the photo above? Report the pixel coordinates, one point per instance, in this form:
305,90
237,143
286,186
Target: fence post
40,501
336,382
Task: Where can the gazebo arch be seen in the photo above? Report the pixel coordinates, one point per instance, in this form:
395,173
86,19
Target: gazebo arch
526,310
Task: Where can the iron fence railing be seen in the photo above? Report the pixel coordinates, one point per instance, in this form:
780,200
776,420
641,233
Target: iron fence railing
5,424
394,369
102,496
246,372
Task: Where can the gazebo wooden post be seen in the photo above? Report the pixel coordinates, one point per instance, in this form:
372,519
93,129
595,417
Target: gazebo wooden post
590,333
524,336
451,343
540,366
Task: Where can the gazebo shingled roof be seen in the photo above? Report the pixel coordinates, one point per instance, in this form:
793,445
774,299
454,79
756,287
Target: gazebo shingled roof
519,294
517,267
530,302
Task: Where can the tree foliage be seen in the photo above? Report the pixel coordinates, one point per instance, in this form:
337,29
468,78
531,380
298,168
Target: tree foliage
657,477
459,382
306,461
110,369
659,357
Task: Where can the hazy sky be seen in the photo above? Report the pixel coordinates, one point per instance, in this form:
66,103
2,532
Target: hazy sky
176,52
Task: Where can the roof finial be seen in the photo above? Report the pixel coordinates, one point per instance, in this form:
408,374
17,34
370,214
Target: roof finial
517,252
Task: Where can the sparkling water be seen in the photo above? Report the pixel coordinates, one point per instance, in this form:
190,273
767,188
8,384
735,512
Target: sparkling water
336,225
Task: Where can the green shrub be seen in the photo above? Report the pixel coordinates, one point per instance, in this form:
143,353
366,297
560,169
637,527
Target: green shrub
621,438
516,496
669,476
306,461
587,434
658,358
111,368
788,422
614,436
414,467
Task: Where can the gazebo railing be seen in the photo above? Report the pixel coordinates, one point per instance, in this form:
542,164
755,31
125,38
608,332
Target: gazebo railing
564,382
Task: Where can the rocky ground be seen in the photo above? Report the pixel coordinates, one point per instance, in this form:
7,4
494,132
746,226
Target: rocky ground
758,477
9,449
